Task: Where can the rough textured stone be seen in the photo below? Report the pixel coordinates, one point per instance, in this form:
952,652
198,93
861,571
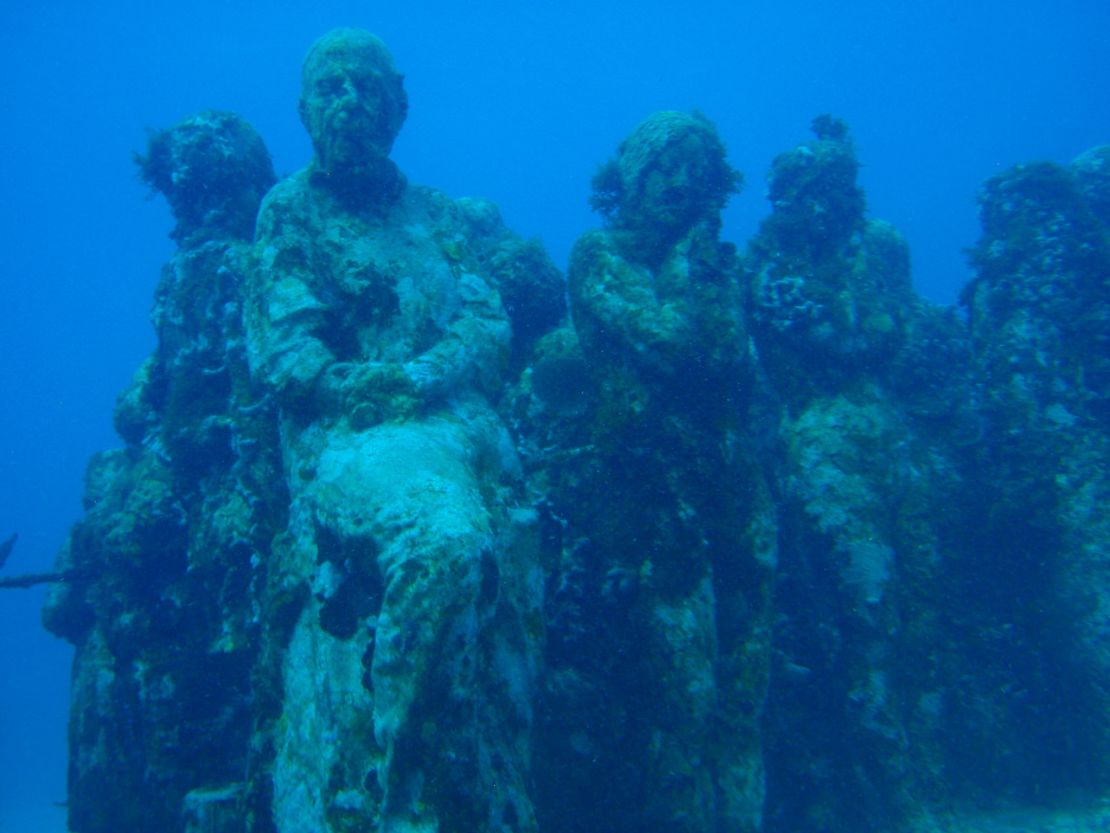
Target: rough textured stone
664,539
1037,584
408,679
864,483
178,526
757,542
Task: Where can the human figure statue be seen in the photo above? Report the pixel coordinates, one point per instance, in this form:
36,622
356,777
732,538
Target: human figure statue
407,567
1039,314
178,522
869,382
683,525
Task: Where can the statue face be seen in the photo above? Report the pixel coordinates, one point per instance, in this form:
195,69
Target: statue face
673,174
353,101
671,192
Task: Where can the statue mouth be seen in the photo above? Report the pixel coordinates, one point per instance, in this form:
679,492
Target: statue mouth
355,133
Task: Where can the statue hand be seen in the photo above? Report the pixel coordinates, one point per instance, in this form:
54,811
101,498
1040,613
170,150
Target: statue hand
370,393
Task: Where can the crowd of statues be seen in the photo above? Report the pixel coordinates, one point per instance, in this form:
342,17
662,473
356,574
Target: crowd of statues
736,541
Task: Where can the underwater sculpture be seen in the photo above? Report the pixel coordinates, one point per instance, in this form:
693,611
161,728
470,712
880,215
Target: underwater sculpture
660,601
1035,589
756,543
376,327
178,523
864,484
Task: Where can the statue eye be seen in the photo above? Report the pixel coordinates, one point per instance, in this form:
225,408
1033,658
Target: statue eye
366,83
330,86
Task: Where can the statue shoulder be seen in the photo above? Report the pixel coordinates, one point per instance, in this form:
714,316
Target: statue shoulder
290,201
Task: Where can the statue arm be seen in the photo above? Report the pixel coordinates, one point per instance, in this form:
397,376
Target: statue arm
616,305
285,317
474,347
470,354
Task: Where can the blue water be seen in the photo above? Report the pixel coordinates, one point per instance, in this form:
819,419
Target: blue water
515,101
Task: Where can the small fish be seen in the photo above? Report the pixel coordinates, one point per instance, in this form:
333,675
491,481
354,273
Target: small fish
6,548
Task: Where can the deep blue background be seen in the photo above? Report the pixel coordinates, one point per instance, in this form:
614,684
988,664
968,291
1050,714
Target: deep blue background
513,100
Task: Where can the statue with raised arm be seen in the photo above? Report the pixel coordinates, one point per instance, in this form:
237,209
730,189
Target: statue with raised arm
669,576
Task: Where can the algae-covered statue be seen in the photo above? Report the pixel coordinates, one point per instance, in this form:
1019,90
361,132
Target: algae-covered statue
407,568
812,563
1039,315
687,536
178,522
866,483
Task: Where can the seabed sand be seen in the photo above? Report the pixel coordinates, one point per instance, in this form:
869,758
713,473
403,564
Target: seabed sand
26,819
1094,819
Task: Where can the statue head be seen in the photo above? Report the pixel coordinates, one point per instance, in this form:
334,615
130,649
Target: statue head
353,103
818,206
668,175
213,169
